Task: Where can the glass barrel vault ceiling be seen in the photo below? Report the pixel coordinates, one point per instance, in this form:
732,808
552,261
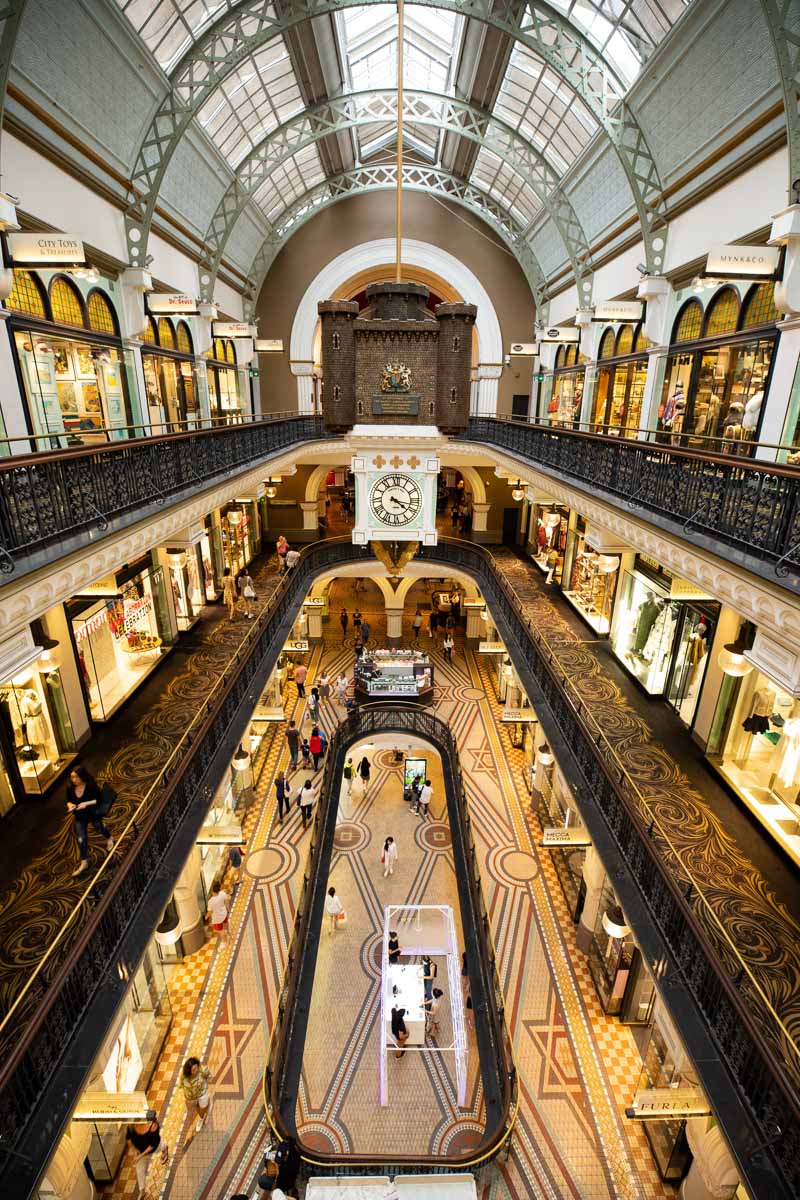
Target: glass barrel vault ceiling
263,91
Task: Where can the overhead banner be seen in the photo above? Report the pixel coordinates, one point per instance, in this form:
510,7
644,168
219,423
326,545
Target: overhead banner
654,1104
159,303
743,262
269,345
231,329
524,349
45,249
559,333
618,310
565,835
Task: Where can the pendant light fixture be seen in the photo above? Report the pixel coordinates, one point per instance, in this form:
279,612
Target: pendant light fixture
614,922
731,658
518,491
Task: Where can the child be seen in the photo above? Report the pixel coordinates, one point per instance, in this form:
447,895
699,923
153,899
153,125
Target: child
305,750
218,910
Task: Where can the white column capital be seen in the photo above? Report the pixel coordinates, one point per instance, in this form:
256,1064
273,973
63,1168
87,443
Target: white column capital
301,366
786,232
657,291
310,513
479,515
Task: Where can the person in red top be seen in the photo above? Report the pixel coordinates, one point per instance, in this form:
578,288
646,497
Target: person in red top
300,673
315,746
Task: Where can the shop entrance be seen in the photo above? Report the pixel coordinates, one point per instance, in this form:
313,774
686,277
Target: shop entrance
510,526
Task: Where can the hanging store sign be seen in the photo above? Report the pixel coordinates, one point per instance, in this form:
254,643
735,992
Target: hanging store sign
743,262
654,1104
618,310
524,349
560,333
269,345
45,249
159,303
561,835
113,1106
299,647
231,329
521,715
491,648
220,835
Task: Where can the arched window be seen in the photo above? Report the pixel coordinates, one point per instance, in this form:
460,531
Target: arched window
101,315
219,349
66,303
689,322
230,353
641,341
722,314
560,353
625,340
27,295
759,307
607,344
166,334
150,334
184,338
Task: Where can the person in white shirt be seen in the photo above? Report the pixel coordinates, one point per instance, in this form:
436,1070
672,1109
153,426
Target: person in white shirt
389,856
448,646
342,684
292,558
333,907
424,799
218,910
307,798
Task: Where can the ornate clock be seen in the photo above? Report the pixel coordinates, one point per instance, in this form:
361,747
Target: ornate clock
395,500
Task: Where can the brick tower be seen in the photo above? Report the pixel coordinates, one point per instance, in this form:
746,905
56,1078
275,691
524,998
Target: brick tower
456,322
338,363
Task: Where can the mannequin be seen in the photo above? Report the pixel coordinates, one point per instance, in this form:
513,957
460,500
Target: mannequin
790,758
30,707
645,618
677,398
752,411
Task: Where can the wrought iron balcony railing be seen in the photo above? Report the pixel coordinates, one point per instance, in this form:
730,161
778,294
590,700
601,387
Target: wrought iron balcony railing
65,498
746,508
746,1057
285,1057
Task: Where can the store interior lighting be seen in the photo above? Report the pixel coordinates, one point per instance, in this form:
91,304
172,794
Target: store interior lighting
518,491
545,755
614,922
731,658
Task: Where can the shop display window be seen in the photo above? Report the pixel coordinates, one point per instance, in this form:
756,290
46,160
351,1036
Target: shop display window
550,525
120,638
169,378
185,574
713,391
223,382
129,1059
238,536
212,559
589,579
564,407
620,387
661,1068
610,956
35,732
644,629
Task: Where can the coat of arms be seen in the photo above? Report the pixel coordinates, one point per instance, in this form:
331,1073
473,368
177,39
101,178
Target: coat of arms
396,378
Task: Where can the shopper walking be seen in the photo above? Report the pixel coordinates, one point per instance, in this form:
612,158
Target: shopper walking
315,746
235,855
218,907
324,687
429,973
432,1010
283,794
282,548
416,624
433,622
292,559
334,908
305,750
365,631
389,856
307,798
195,1079
293,742
247,590
300,672
448,645
393,947
313,704
344,621
363,771
83,797
146,1141
342,684
229,592
399,1031
357,623
424,799
348,773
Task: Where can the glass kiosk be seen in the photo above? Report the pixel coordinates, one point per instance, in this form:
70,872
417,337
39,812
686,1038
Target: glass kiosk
394,675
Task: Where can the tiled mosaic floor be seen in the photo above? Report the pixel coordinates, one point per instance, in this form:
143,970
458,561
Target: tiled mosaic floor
577,1068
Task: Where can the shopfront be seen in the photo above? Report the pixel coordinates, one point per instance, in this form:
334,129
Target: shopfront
126,1062
394,675
755,746
564,407
224,396
168,365
187,584
239,525
662,631
121,628
76,380
37,741
589,579
718,371
549,527
621,379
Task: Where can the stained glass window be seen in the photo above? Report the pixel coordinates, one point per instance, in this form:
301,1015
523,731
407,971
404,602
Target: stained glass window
149,334
26,295
184,339
230,353
66,303
607,344
625,340
166,334
641,341
560,354
760,307
101,314
723,313
689,322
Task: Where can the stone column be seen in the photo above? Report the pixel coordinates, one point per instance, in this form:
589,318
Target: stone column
13,400
314,616
659,294
185,897
488,376
594,874
783,386
475,624
394,624
310,514
480,512
303,370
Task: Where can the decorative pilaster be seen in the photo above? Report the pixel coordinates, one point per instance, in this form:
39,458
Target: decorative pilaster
310,514
480,513
394,624
594,874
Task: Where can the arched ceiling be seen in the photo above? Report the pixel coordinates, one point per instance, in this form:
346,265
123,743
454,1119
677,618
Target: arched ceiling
503,98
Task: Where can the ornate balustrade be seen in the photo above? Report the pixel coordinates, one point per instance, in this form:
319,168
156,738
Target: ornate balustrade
498,1073
750,506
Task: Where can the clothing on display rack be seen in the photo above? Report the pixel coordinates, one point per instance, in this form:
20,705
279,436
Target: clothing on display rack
790,759
645,619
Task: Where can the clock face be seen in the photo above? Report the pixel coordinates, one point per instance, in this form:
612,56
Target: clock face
395,500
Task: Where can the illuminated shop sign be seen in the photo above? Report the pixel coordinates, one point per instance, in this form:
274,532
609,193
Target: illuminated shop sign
519,714
559,333
113,1106
171,302
743,262
654,1104
44,249
232,329
561,835
618,310
269,345
523,349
